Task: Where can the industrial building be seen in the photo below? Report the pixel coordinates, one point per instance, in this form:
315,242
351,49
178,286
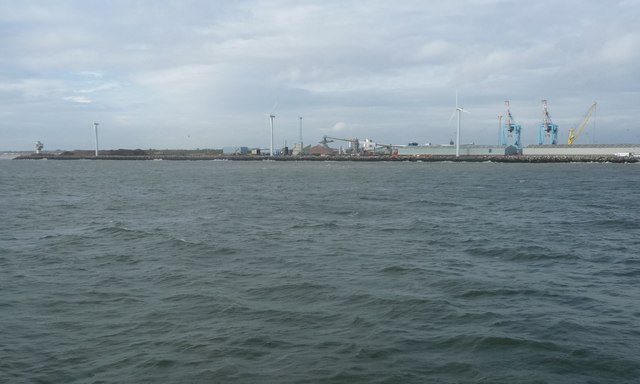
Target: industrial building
235,150
582,150
450,150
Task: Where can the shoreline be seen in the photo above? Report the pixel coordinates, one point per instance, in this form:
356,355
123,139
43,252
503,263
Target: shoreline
440,158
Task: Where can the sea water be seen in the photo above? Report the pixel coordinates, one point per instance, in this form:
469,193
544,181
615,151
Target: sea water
319,272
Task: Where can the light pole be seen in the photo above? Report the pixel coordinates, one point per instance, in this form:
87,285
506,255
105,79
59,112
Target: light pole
301,145
95,126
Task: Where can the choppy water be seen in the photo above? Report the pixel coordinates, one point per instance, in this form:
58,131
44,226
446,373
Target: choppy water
268,272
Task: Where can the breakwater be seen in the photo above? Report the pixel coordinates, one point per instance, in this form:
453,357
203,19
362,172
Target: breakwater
440,158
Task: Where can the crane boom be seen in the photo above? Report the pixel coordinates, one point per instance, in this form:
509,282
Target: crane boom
575,133
354,143
337,138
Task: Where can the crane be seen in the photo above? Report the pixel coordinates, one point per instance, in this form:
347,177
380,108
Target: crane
574,134
547,127
391,149
510,129
354,144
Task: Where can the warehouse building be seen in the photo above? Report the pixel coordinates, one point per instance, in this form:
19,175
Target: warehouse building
450,150
582,150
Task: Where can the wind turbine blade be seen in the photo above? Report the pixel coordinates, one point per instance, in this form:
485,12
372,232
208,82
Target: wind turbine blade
274,107
452,116
463,110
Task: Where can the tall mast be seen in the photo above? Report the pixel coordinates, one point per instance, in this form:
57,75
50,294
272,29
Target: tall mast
301,145
95,126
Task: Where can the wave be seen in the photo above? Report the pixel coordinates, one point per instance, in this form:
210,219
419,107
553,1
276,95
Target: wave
498,292
401,270
291,291
614,223
522,253
493,343
316,225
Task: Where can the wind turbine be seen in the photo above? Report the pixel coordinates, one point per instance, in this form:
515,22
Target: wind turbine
458,110
271,117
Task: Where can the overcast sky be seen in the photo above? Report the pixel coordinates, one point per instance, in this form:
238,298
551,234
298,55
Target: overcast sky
203,74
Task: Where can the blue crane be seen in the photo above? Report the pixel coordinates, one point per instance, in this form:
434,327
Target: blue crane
510,129
547,128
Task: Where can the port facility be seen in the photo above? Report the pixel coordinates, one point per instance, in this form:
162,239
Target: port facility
582,150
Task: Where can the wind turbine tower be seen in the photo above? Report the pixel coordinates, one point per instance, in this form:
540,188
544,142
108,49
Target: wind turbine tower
271,117
459,111
95,127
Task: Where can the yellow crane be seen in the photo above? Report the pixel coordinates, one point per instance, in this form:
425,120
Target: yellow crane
573,136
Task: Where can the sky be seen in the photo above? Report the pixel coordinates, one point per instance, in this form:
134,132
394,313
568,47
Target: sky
194,74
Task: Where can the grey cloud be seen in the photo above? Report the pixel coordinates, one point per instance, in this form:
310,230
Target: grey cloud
202,74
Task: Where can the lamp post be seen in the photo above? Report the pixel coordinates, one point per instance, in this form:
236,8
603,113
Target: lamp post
95,126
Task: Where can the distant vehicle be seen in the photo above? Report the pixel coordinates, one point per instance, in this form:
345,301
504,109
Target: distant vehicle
414,144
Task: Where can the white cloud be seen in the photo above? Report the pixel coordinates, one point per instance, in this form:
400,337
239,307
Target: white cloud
101,87
339,126
621,50
78,99
32,88
176,76
436,51
91,74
